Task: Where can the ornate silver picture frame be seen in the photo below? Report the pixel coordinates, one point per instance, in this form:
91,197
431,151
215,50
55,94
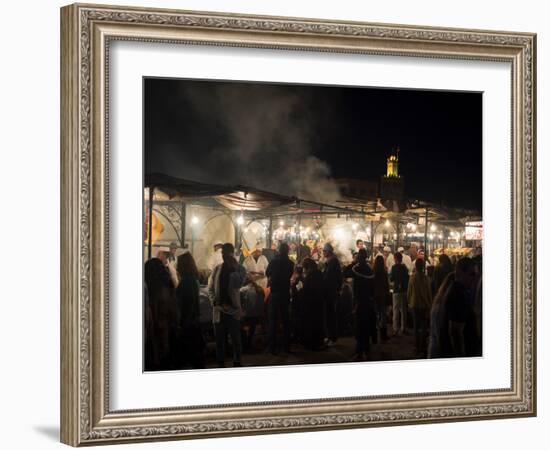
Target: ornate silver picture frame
87,32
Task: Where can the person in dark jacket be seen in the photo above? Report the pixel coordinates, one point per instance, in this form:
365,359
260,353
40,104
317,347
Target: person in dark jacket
460,311
163,314
224,287
278,272
381,294
333,279
363,305
312,294
399,276
187,300
439,344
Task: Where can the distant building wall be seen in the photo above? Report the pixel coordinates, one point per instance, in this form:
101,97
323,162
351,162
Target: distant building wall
392,188
351,187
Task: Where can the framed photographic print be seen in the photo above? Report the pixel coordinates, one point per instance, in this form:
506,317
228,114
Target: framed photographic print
275,224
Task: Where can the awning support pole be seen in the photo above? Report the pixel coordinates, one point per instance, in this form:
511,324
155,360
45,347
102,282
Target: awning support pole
183,217
398,229
372,239
269,233
150,224
426,234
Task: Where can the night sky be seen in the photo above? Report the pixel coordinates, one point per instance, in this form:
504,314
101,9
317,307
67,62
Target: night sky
292,138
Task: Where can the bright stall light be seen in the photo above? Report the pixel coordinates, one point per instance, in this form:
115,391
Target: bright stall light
282,223
338,233
194,220
240,220
354,226
388,223
433,227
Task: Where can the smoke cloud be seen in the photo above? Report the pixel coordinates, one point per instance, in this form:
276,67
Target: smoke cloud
242,133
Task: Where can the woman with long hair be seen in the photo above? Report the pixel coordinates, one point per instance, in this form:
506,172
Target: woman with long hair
312,296
419,297
438,319
191,341
381,295
441,271
161,316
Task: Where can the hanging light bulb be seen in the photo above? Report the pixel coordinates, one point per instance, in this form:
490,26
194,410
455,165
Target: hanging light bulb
194,220
240,220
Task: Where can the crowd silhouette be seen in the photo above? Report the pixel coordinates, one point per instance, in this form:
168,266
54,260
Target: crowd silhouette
279,305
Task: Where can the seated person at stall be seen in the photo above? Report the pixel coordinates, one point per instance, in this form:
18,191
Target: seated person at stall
256,265
252,302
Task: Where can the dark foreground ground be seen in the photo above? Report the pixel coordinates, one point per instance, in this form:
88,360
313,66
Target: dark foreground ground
400,347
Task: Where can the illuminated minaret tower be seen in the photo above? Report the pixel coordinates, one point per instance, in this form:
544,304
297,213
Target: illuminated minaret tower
393,165
392,184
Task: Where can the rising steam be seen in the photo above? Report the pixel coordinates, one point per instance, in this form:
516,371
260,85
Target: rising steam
262,138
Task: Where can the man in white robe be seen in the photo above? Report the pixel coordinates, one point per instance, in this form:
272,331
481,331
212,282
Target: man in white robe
256,265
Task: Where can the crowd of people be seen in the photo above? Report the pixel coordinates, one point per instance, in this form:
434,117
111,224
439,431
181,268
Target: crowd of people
298,303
